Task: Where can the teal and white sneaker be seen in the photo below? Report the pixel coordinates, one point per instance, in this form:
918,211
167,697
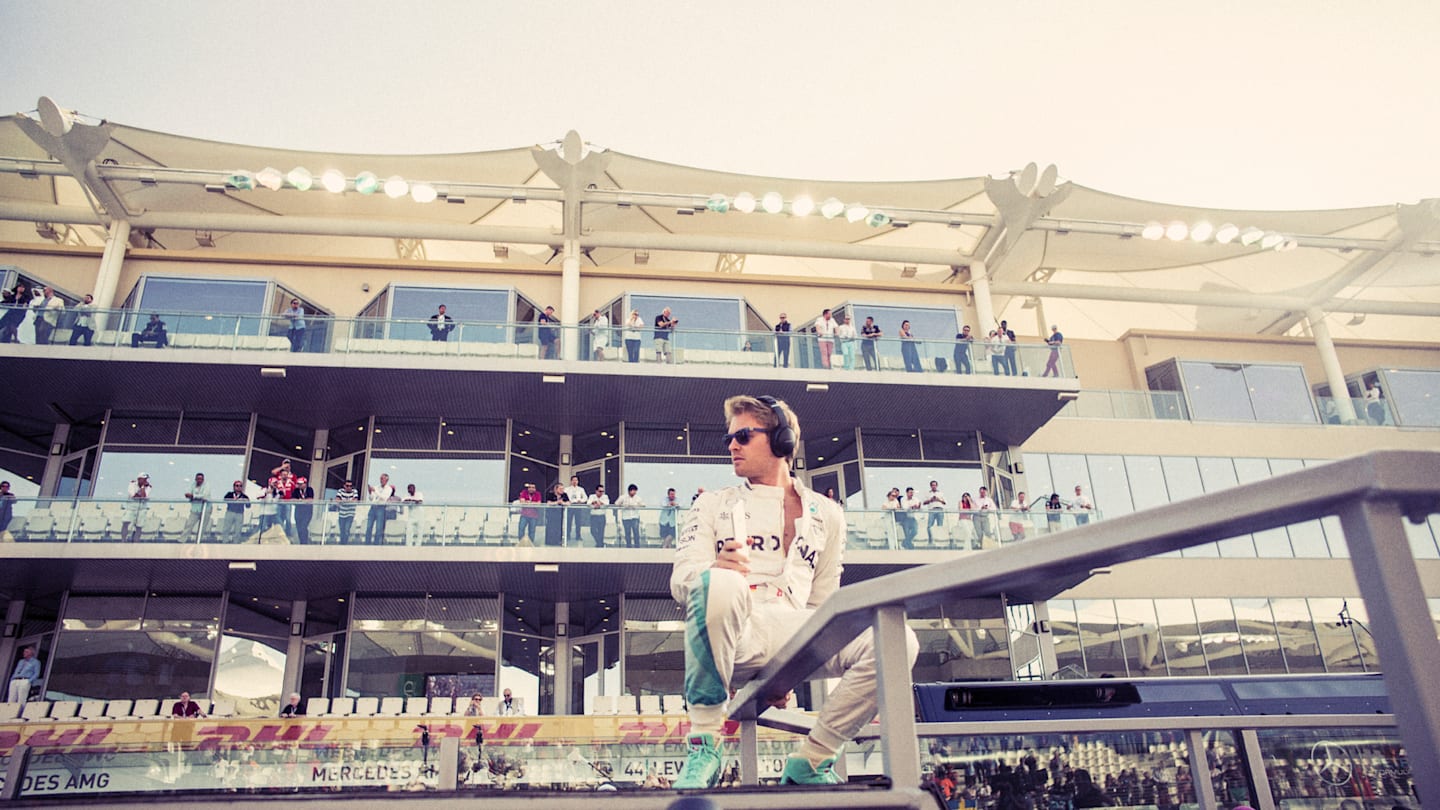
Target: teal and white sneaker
799,771
702,765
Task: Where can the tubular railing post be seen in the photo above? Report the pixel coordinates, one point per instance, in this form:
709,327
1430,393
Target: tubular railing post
749,752
15,772
448,761
897,705
1403,629
1255,769
1200,773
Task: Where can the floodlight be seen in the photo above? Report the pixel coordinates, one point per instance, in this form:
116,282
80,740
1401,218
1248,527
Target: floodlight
1176,231
1250,236
772,202
270,177
856,213
367,183
831,208
1153,231
423,193
300,178
878,219
1271,240
744,202
333,181
241,179
396,187
1202,231
718,203
802,206
1227,233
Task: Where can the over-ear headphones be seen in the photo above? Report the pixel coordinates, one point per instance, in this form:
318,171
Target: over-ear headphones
782,436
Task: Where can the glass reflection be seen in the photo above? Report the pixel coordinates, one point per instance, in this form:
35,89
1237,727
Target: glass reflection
1310,768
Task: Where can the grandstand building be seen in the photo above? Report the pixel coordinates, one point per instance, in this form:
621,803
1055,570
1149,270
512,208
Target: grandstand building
1202,349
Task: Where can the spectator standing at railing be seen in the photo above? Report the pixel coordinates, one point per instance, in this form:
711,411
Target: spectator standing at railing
346,499
185,707
1053,508
995,347
911,510
908,348
51,305
154,332
26,672
414,502
234,513
379,513
825,328
963,341
967,507
934,503
529,512
896,507
555,515
84,328
139,493
630,506
634,331
599,334
37,305
549,332
669,517
1017,520
1052,364
744,602
664,331
1082,505
7,505
845,334
869,336
303,501
199,496
782,342
441,325
296,331
983,504
13,302
269,506
599,504
1374,408
575,513
282,478
1008,336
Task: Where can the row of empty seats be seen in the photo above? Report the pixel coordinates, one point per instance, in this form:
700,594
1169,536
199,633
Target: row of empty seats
469,348
391,706
628,704
63,710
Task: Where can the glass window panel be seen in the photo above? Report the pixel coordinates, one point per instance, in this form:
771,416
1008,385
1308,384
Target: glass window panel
1140,635
1273,543
111,665
389,613
1111,492
326,615
460,434
1422,542
399,663
171,473
214,298
891,444
1037,475
465,613
1218,475
969,649
657,440
655,662
1307,539
1279,393
137,428
605,443
1414,395
406,434
444,481
251,673
591,616
934,327
1147,482
532,616
1320,767
215,429
1184,653
470,307
701,323
527,670
1220,636
1297,636
1183,481
1066,472
954,481
1065,631
1345,640
686,476
182,613
103,612
249,615
1217,391
949,445
832,448
1099,632
1258,636
1227,771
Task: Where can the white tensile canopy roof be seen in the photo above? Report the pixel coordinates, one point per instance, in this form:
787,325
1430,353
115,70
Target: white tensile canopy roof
1372,271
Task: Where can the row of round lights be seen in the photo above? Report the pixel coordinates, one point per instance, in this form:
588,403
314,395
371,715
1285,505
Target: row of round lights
333,181
1225,234
396,187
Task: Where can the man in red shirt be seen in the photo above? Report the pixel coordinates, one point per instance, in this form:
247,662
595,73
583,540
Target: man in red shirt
185,707
529,515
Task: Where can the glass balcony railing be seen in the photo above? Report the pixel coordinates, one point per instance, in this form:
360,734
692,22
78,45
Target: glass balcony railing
46,520
1109,404
1367,411
528,340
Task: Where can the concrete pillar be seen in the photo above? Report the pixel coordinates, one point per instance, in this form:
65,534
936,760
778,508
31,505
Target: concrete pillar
562,661
294,655
1046,636
108,279
55,462
984,309
1339,393
570,300
567,457
1042,328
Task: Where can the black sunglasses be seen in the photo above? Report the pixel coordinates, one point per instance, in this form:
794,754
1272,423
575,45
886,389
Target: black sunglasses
743,435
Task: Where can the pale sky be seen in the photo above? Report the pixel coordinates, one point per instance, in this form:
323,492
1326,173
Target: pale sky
1271,104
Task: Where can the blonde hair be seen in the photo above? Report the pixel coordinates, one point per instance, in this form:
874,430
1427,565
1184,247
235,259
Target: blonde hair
746,404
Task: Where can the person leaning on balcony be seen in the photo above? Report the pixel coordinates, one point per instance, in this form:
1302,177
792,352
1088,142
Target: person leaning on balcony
199,497
634,330
303,497
1081,504
139,493
599,334
555,515
825,328
983,504
576,497
13,302
346,499
378,514
185,707
441,325
84,328
154,332
7,506
782,342
664,331
234,513
896,507
48,317
1017,520
630,505
909,349
599,504
548,332
934,503
963,341
845,334
414,501
1052,364
1053,508
296,331
870,335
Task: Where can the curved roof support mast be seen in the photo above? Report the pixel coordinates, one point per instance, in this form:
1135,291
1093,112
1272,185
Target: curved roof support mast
573,169
76,145
1020,200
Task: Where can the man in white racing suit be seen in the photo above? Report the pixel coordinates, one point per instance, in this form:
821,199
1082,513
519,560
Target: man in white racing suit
744,598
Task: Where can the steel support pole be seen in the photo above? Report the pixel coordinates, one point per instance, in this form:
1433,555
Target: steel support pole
1255,769
294,651
55,462
108,279
19,759
1403,628
570,301
897,703
1334,375
1200,773
749,752
448,761
984,308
